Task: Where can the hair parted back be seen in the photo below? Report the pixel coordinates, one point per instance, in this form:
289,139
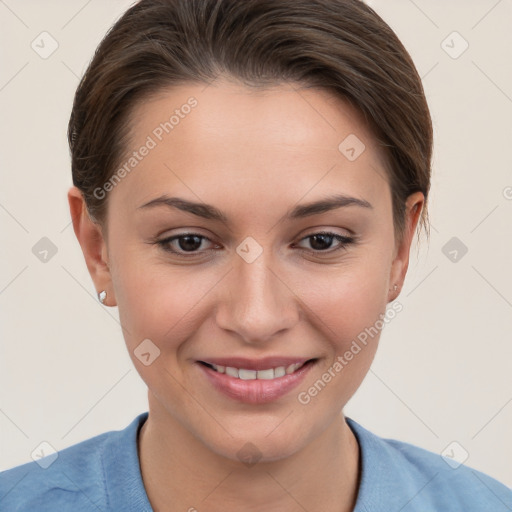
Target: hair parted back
339,45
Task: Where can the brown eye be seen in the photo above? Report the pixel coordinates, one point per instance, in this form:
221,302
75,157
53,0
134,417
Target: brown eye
322,242
189,244
184,243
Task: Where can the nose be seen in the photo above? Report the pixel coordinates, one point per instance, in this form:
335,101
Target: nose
257,304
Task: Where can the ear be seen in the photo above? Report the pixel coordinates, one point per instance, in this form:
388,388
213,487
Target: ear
93,244
413,207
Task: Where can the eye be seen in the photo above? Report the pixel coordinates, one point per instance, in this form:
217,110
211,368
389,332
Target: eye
321,242
185,243
189,244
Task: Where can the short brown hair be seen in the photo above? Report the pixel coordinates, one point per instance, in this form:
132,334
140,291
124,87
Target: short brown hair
339,45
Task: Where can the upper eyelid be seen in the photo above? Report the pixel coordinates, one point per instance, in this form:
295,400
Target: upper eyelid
350,238
307,235
314,231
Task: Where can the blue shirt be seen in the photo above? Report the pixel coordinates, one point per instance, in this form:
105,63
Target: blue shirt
103,473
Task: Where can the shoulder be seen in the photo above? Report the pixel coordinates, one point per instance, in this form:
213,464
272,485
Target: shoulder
65,478
76,478
413,479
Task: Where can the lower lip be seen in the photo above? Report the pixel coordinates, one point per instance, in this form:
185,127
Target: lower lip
255,391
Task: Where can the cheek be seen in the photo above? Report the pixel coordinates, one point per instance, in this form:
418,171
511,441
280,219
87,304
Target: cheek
158,302
347,300
347,307
163,307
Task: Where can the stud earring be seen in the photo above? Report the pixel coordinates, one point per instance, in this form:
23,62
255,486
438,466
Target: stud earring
102,296
395,288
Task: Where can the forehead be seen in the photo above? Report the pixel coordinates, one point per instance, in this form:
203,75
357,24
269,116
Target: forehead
224,136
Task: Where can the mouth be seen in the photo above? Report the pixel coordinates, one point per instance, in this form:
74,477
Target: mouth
269,373
265,381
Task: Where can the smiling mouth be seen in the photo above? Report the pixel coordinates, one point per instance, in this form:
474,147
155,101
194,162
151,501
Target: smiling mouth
266,374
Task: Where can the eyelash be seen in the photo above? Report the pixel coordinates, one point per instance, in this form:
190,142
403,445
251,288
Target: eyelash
344,242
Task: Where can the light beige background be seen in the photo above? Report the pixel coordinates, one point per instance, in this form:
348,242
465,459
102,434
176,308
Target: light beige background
443,369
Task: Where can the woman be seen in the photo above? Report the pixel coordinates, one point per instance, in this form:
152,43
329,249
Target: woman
248,179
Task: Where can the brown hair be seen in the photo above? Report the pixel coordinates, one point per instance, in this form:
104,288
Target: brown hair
339,45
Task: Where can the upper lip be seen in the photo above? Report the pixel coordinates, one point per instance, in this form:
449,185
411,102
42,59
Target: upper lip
255,364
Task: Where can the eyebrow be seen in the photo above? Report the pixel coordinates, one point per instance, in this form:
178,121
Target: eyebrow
210,212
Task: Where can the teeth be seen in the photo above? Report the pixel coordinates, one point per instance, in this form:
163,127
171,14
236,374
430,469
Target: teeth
265,374
244,374
292,368
280,371
232,372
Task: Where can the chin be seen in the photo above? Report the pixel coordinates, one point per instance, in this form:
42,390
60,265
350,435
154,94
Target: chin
255,445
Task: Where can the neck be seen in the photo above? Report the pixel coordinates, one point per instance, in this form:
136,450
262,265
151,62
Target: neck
181,472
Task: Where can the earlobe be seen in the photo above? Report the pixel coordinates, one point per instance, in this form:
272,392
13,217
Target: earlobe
90,236
413,208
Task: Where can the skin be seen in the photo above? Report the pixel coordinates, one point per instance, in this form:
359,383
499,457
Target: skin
254,155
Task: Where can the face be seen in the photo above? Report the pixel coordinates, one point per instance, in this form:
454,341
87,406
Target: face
255,275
